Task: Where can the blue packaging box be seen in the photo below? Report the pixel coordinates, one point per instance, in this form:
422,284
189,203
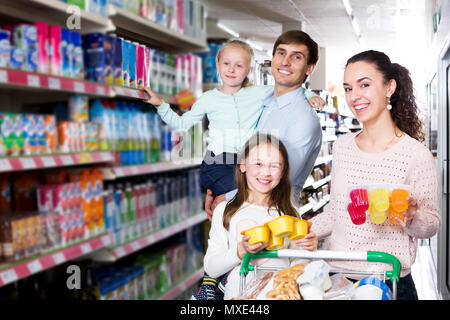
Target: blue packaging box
125,63
132,64
109,59
117,63
94,56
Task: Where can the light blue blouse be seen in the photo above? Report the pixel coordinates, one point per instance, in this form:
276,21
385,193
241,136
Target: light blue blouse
232,117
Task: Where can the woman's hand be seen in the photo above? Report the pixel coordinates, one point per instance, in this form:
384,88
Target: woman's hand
244,247
409,213
309,242
153,99
317,103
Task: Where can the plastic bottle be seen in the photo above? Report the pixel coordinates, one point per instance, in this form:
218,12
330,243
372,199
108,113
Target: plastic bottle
123,132
99,115
156,138
5,192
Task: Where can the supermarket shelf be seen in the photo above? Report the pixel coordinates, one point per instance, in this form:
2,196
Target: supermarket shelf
329,109
323,160
22,269
329,138
182,286
118,252
51,161
55,12
116,172
321,203
320,183
148,32
305,208
30,81
345,129
328,123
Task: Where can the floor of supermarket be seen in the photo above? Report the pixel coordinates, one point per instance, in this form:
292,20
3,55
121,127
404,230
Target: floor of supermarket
424,273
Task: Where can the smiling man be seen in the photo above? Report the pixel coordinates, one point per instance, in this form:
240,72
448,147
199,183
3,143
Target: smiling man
286,112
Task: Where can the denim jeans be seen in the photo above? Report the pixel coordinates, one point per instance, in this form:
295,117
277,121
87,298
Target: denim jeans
217,172
406,289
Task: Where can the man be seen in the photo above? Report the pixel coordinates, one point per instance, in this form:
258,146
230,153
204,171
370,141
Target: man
286,113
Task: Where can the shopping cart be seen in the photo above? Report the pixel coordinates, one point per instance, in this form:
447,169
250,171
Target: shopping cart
373,256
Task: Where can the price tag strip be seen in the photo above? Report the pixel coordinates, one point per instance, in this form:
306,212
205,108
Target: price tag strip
24,269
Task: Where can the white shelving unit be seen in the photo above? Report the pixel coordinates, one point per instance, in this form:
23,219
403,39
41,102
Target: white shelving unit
13,83
115,253
55,12
145,31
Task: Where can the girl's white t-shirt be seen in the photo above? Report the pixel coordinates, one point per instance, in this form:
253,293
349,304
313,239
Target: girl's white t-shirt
221,255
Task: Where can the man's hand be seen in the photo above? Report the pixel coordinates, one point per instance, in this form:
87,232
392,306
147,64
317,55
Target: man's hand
211,202
153,99
317,103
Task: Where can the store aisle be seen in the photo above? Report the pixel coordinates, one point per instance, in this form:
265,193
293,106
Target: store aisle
424,273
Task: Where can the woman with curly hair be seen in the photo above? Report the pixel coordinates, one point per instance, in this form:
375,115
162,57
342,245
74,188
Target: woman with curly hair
388,150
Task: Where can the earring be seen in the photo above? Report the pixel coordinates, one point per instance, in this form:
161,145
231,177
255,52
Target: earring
389,106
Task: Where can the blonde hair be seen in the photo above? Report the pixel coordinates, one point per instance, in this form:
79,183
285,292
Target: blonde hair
236,43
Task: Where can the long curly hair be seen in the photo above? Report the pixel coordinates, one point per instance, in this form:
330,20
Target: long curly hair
405,112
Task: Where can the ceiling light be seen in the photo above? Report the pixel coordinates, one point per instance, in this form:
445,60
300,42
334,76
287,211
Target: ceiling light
254,45
348,7
227,29
356,27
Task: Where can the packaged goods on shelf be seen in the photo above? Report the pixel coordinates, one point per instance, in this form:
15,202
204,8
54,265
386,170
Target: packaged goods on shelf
177,15
149,277
27,134
94,6
98,57
5,49
135,208
25,37
77,198
210,74
54,52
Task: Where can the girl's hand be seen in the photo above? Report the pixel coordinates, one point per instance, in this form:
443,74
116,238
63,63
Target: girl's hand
153,99
409,213
244,247
309,242
317,102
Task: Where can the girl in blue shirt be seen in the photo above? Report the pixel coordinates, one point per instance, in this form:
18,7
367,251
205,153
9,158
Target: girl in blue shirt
233,112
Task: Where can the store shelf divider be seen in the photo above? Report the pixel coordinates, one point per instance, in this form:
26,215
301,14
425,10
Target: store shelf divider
21,269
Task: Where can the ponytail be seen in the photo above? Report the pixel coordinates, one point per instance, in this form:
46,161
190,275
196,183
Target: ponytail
404,111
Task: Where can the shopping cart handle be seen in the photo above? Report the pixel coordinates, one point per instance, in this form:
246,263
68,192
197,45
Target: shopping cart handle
246,266
386,258
374,256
